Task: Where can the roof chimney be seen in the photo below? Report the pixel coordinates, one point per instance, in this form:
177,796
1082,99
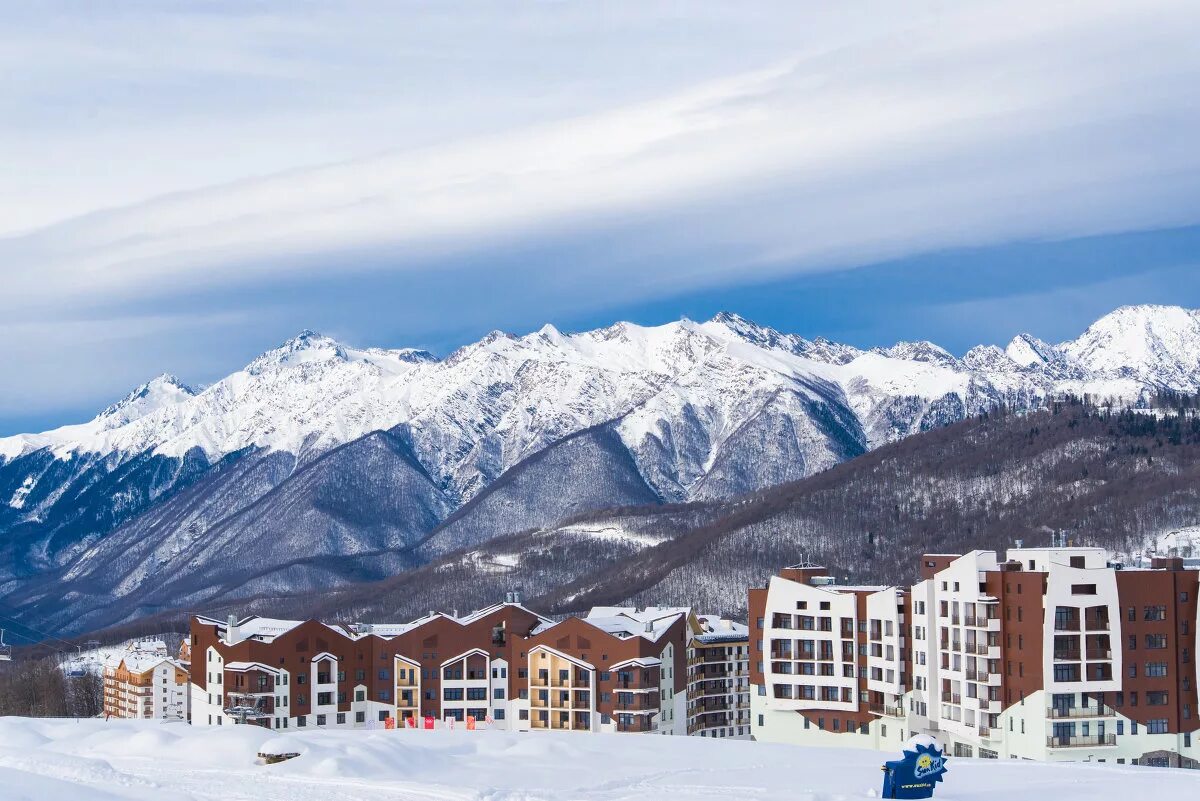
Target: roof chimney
232,635
649,626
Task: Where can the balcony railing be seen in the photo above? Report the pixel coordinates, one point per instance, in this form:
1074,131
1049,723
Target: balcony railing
1082,741
1075,712
1071,624
1099,653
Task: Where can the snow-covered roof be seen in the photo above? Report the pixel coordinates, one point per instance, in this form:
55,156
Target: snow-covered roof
716,629
242,667
142,661
641,661
267,629
628,621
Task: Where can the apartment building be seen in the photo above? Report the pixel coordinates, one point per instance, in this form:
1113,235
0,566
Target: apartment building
1045,654
295,674
829,663
718,679
617,669
145,682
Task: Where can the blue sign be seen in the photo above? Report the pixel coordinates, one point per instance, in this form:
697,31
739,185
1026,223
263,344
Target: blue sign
915,775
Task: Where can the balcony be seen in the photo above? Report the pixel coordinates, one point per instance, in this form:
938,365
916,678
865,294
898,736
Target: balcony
1067,624
1099,654
1082,741
1077,712
886,710
1097,623
951,698
1066,656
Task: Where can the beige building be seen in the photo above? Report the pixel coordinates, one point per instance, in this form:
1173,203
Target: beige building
145,682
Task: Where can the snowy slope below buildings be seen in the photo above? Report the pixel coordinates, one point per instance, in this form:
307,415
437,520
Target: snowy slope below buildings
148,761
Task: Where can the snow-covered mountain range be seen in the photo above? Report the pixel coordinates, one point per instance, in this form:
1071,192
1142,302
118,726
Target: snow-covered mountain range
683,411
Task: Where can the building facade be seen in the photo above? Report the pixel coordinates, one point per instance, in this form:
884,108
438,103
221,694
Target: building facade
617,669
1046,654
718,679
145,682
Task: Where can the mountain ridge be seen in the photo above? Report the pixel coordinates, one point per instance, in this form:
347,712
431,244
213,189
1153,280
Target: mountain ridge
680,412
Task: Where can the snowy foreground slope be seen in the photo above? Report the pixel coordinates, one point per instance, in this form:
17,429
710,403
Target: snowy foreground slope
42,760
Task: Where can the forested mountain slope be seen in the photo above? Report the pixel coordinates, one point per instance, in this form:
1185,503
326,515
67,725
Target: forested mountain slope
1112,479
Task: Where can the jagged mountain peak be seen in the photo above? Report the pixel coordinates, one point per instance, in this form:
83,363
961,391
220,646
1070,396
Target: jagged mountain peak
1026,350
919,351
987,358
1154,343
306,346
162,390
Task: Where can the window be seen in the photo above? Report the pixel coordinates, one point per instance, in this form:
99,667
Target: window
1156,641
341,717
324,699
383,674
1083,589
1156,698
1156,670
320,720
1077,562
1155,613
383,715
1157,726
1066,672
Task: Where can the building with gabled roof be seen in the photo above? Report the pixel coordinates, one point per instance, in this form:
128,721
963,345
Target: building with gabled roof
145,682
618,669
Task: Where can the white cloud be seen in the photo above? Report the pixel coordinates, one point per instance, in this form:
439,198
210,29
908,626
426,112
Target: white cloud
788,137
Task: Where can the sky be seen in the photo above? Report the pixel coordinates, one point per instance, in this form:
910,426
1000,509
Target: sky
183,186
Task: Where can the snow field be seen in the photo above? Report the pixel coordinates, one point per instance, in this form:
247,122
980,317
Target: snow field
48,760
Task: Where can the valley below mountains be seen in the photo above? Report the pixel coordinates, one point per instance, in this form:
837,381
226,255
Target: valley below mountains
676,463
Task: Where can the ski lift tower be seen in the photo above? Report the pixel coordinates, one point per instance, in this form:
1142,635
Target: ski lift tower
5,650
